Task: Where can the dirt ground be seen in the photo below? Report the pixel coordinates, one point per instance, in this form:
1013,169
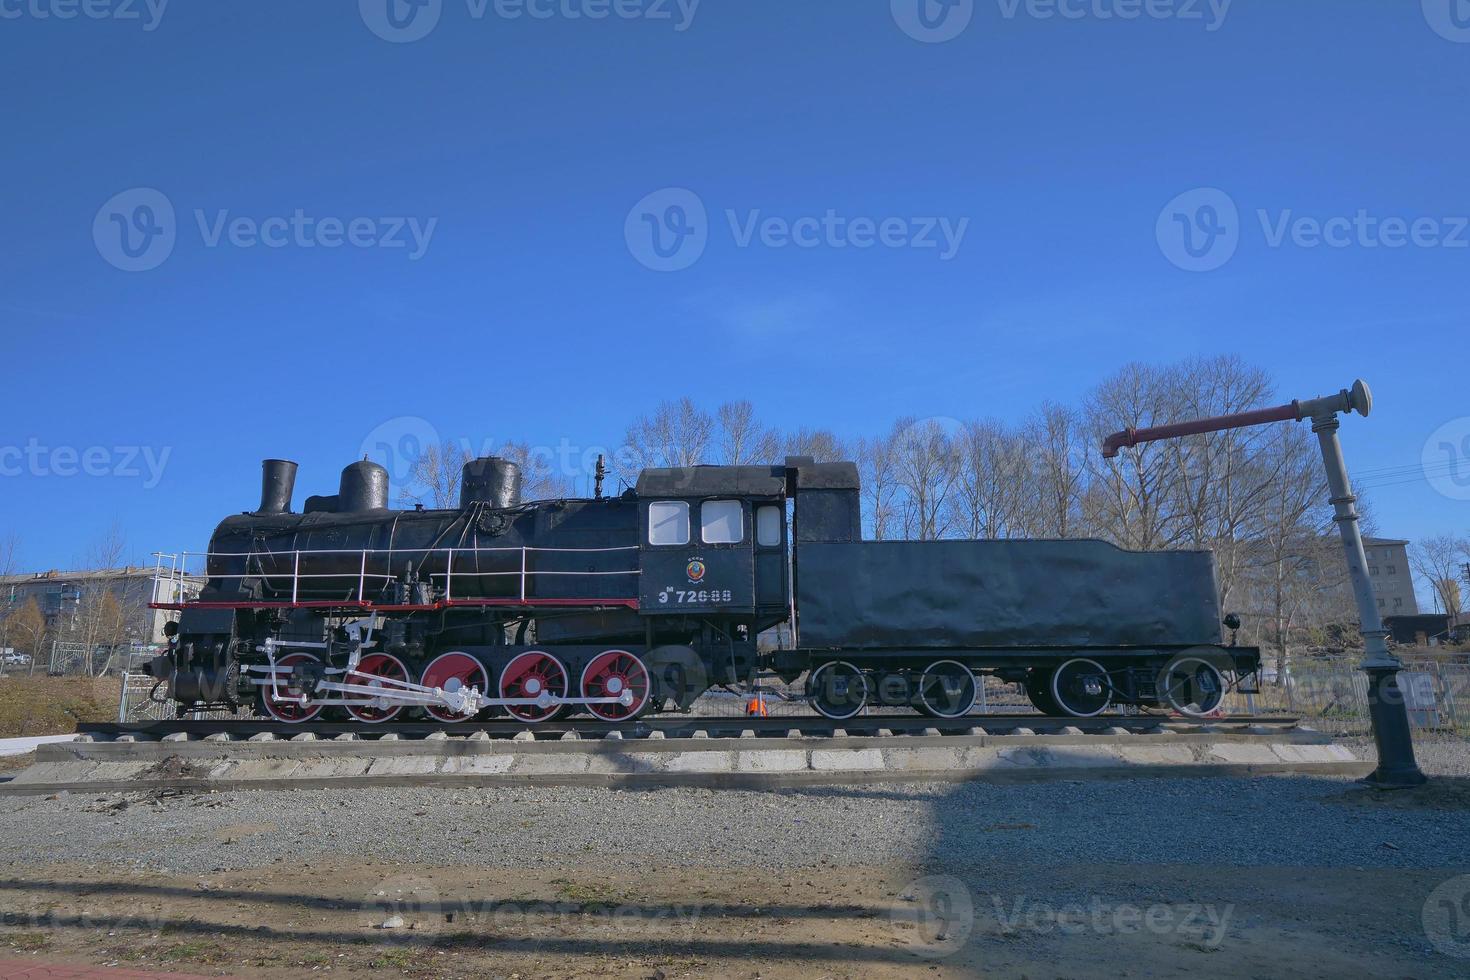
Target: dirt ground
598,919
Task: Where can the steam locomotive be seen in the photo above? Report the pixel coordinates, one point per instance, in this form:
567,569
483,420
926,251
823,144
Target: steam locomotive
618,606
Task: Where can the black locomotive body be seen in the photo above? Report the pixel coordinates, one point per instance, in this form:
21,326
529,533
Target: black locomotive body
619,606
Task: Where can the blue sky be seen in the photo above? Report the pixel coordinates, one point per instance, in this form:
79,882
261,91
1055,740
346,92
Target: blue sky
520,149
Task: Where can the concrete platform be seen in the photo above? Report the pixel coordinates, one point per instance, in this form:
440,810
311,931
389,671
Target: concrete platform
215,763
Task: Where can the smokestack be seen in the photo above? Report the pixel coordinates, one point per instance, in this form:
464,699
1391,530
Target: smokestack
277,481
490,480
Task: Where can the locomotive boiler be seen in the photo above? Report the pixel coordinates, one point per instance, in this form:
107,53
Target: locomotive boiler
618,606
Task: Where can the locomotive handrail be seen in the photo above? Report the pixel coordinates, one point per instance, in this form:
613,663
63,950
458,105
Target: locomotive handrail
177,571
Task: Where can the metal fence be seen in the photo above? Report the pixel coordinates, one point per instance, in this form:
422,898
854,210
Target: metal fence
1334,698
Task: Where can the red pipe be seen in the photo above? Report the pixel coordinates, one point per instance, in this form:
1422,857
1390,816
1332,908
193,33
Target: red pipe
1129,438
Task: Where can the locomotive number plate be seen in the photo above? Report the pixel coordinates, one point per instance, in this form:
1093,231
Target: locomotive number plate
684,597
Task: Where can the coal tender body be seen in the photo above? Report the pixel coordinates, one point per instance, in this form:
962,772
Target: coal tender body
622,606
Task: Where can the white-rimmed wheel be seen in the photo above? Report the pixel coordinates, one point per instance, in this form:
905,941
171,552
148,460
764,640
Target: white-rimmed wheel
450,673
947,689
1192,685
532,675
1081,688
376,671
616,674
838,690
282,700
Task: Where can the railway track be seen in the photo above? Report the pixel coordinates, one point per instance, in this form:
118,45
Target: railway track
683,726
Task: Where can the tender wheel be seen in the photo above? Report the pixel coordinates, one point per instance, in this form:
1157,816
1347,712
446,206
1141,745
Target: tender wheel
1081,688
609,675
450,672
1191,685
1038,691
280,708
838,690
372,671
530,675
947,689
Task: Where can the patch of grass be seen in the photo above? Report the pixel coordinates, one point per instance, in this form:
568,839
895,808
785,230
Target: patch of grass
28,942
195,952
585,893
54,705
396,958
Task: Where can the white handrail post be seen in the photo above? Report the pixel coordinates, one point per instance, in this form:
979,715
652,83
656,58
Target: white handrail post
523,573
362,578
295,575
449,577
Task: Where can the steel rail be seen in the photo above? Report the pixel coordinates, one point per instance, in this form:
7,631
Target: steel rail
685,726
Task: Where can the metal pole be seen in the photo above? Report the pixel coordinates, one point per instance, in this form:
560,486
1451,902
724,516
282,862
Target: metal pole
1386,708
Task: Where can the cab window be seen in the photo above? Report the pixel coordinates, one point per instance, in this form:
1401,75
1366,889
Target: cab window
768,526
668,522
722,522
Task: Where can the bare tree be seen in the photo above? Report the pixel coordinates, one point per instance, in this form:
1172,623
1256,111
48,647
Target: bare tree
1436,561
109,603
540,479
820,444
26,628
991,485
433,479
678,433
9,545
742,440
926,466
1293,571
879,483
1057,450
1127,497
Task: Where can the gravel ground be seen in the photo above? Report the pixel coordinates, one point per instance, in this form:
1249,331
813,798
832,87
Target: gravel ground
1285,821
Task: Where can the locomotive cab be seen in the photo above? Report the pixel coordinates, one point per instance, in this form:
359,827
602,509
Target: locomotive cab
712,543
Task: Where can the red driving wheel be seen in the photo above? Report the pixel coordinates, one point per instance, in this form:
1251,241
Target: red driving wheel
286,707
369,670
528,676
450,672
609,675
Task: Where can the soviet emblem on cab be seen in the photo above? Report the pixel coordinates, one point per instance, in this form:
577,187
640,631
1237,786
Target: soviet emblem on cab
695,570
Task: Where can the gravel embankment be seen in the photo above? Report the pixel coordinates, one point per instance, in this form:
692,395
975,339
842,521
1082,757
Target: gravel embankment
1270,821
